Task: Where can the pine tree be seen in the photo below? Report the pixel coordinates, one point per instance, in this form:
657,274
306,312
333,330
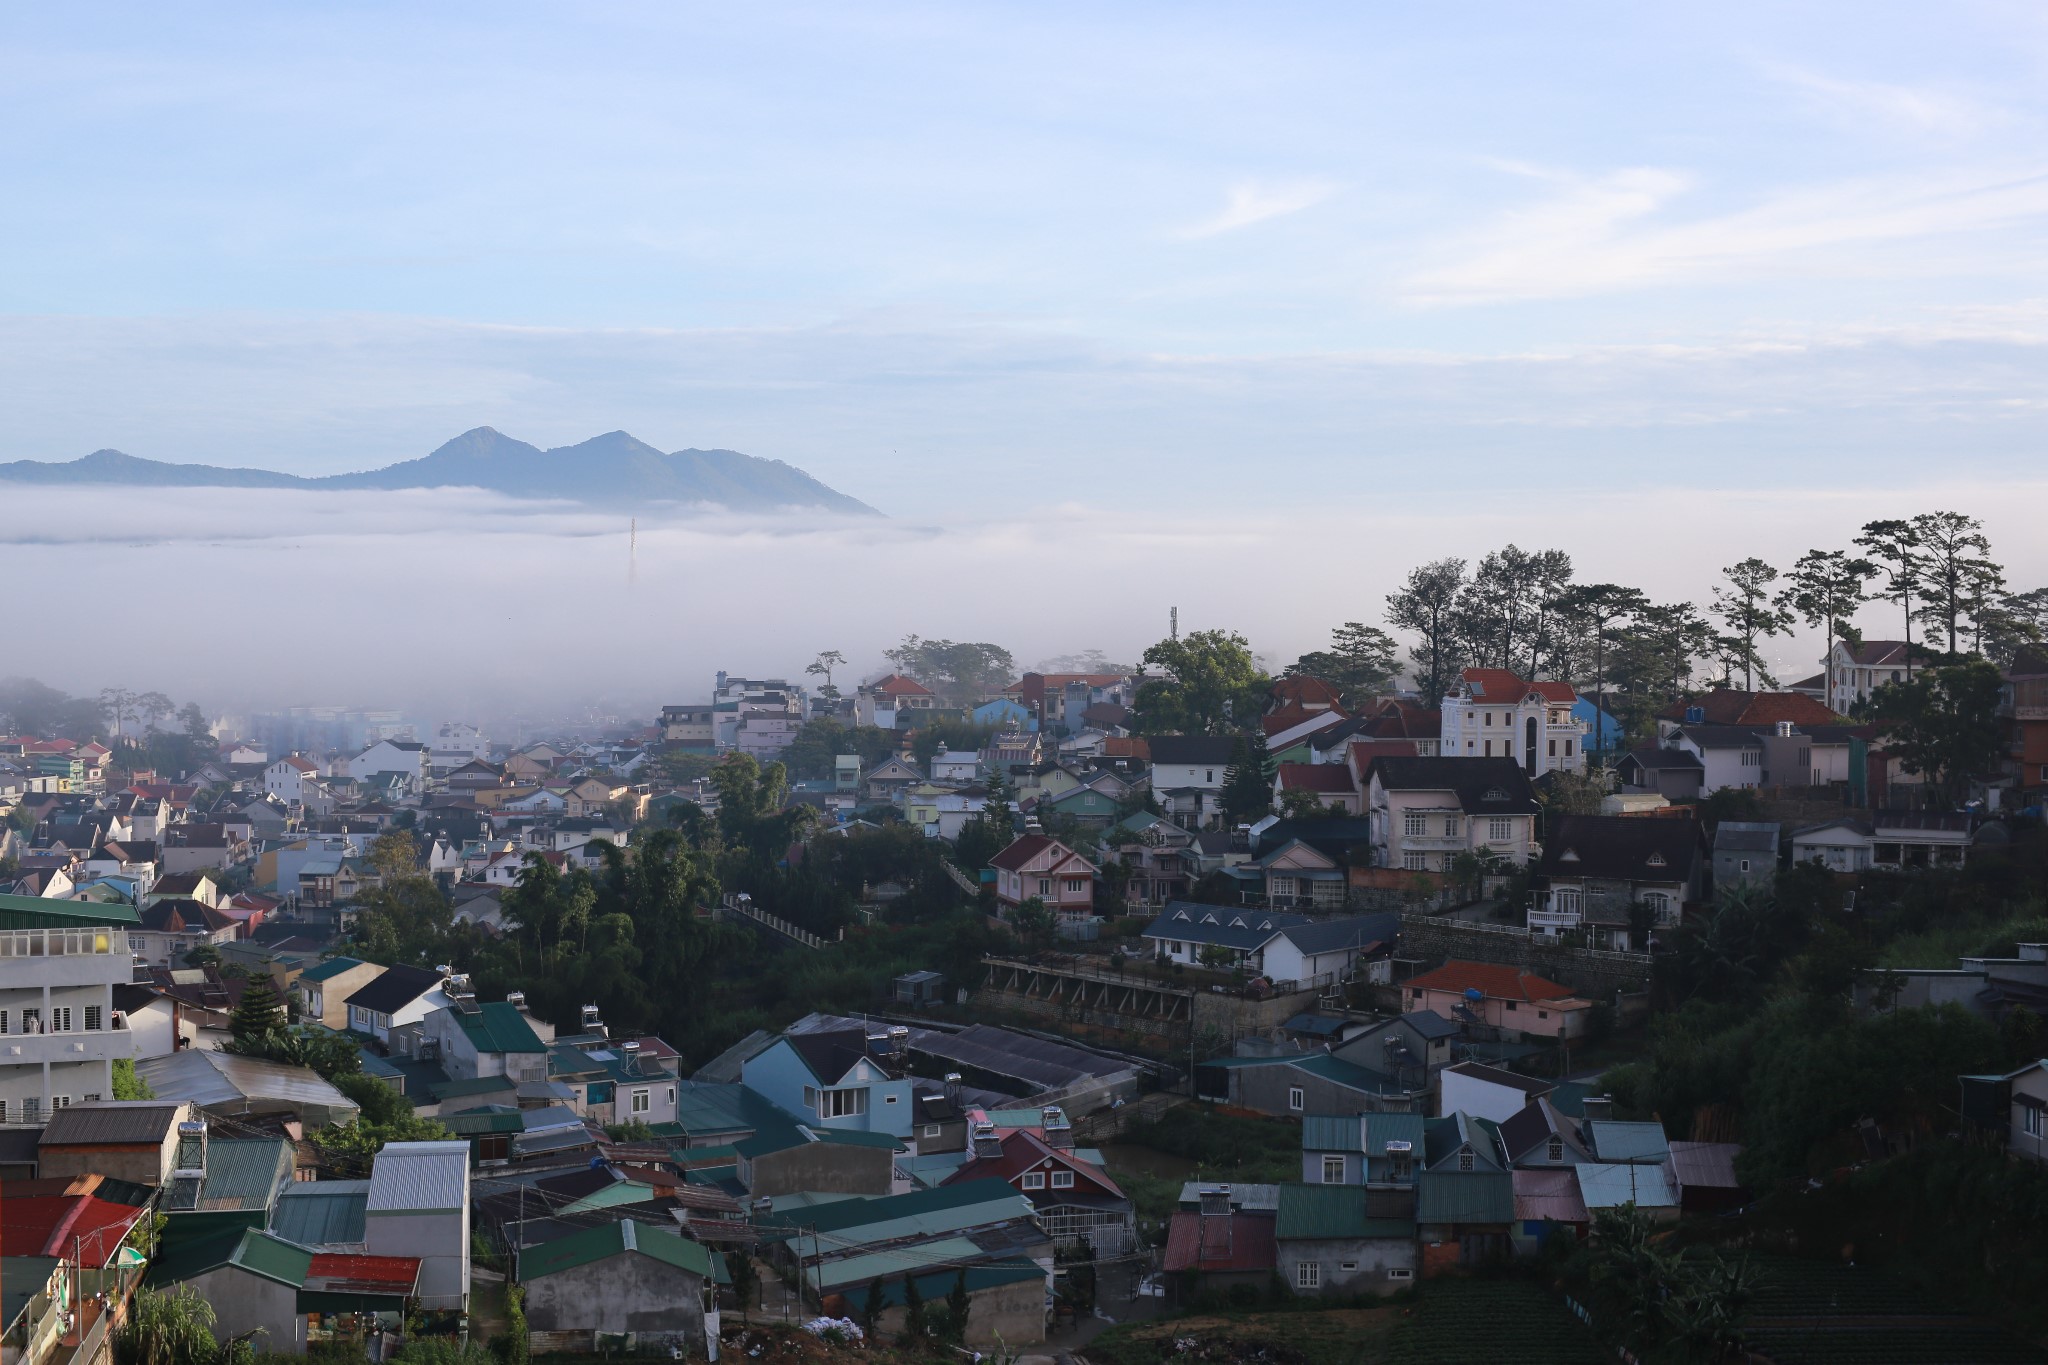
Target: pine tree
957,1307
871,1309
913,1313
258,1012
1247,792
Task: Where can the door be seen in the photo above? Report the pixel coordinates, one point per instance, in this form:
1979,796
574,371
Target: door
1529,747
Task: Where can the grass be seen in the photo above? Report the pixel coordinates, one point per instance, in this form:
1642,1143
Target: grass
1939,947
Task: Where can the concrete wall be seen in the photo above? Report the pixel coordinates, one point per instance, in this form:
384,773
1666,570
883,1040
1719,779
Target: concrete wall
439,1239
1265,1088
1596,976
628,1292
1015,1311
823,1167
243,1302
1370,1260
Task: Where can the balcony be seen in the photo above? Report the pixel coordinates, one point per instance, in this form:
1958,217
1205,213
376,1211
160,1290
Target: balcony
1424,843
1550,921
33,1049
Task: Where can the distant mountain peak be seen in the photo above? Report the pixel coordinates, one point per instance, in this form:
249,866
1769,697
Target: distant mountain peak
616,469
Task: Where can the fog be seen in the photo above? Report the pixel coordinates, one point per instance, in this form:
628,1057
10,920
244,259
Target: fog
454,602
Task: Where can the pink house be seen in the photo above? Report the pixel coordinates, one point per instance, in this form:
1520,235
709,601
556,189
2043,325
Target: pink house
1500,997
1046,868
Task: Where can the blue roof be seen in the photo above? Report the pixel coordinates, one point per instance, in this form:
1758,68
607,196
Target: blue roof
1348,1074
1242,929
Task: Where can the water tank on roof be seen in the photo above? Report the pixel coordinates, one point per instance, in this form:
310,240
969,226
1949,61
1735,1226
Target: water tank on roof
1474,993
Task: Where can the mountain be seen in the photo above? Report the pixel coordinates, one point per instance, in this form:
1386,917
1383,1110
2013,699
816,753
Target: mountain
613,470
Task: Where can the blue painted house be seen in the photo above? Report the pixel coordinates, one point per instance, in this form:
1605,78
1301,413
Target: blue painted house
1604,734
1002,713
843,1079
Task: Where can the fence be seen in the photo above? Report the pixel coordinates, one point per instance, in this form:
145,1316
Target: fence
739,907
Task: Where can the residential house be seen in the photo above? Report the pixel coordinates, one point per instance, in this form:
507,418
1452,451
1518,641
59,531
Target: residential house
1295,874
1464,1214
395,997
2023,707
1216,1248
1058,700
838,1079
1425,812
1347,1241
288,778
472,1040
1291,1084
60,962
1729,755
419,1206
1491,711
1597,870
1703,1174
1003,713
688,727
1333,785
1674,774
403,756
1292,950
890,779
288,1296
1383,1150
131,1140
167,930
892,702
1412,1048
1856,671
1044,868
1503,998
1188,773
1745,852
1758,710
958,769
241,1088
628,1080
1486,1092
586,1287
1075,1200
1890,839
1547,1204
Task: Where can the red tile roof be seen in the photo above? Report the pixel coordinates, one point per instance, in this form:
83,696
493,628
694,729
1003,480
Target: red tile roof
896,685
1493,981
1241,1242
1013,858
1501,684
1732,706
1024,1150
64,1224
1317,777
1116,747
1304,691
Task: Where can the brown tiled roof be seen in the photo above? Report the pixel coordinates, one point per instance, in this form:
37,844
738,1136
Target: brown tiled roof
1732,706
1316,777
1493,981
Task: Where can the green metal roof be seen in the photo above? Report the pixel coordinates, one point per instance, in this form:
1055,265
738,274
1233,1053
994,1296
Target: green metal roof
1332,1133
500,1027
1329,1212
36,912
259,1253
1381,1129
1616,1140
921,1213
480,1085
1465,1197
935,1286
886,1264
243,1173
613,1239
856,1137
331,968
479,1122
323,1213
1347,1074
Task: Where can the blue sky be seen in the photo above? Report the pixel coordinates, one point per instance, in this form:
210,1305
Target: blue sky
935,252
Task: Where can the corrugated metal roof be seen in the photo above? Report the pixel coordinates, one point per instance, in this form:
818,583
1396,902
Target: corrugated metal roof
1326,1212
871,1265
1332,1133
921,1213
244,1173
1381,1129
1606,1185
500,1027
419,1177
1464,1197
1250,1198
325,1213
332,967
1616,1140
1705,1165
210,1078
111,1121
1549,1194
612,1239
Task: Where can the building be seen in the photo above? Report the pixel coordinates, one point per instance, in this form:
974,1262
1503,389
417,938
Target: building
687,727
132,1140
1490,711
618,1277
1425,812
294,1297
1292,950
1856,671
1503,998
1598,869
1044,868
837,1078
1353,1240
419,1207
1890,839
323,989
1745,851
1075,1201
1188,773
60,962
396,996
892,702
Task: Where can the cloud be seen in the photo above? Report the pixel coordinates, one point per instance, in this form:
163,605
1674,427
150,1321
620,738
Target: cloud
1859,103
1258,202
1611,233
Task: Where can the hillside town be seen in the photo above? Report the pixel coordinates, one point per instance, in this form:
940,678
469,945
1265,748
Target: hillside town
1554,966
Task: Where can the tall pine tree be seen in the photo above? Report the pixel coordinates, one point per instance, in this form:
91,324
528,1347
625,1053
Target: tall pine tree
258,1012
1247,793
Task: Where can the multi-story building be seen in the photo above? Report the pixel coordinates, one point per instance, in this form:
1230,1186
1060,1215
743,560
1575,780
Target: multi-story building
733,699
2023,706
1856,671
1035,866
892,702
1491,713
688,726
59,1033
1424,812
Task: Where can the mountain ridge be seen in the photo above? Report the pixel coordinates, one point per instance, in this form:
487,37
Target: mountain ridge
610,470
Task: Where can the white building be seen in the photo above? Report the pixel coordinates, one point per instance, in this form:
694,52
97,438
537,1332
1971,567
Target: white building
1424,812
288,778
1491,713
59,1034
390,756
418,1205
1854,673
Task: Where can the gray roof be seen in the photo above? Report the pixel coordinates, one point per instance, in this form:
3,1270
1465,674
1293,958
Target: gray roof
1430,1024
1352,931
1650,756
419,1177
1724,736
102,1121
1746,836
1230,927
221,1080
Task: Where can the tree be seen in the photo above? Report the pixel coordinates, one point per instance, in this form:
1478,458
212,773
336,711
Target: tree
1592,610
1296,804
1211,682
746,1280
1247,792
1502,612
2015,621
872,1307
1943,723
914,1329
1427,605
127,1084
1036,926
1360,663
1671,637
258,1013
961,673
395,855
167,1327
1743,601
1824,589
958,1305
826,661
1953,567
1895,546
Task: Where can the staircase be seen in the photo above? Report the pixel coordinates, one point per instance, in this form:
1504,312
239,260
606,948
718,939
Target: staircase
742,909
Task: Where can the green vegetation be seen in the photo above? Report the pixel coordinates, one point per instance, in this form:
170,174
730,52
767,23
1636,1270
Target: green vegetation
1490,1319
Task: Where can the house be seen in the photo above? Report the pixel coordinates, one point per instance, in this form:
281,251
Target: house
1188,773
957,768
1703,1173
1540,1136
396,996
1331,784
1611,1184
1291,1084
1076,1201
1291,950
615,1081
1059,700
1296,874
288,778
239,1088
1735,706
585,1288
289,1296
404,756
1377,1149
1547,1204
419,1206
60,964
892,702
1491,711
1840,845
1503,998
2023,707
1745,851
169,929
1674,774
1729,755
889,779
1856,671
1217,1248
1044,868
1597,870
1890,839
1411,1047
837,1078
472,1040
1352,1240
1486,1092
1464,1215
1425,812
132,1140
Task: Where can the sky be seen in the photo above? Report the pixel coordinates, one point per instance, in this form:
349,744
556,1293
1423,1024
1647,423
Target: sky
1250,301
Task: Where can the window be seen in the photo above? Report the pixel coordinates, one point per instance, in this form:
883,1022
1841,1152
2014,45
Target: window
1398,1169
2030,1120
1499,828
1489,717
60,1101
1415,823
93,1022
1308,1275
3,1111
888,1099
1466,1161
1553,748
1333,1170
1063,1180
671,1097
1745,864
32,1021
1400,1274
1294,1098
1077,883
1034,1180
1209,776
92,1099
1045,886
840,1104
1513,1005
1451,826
1415,862
60,1019
1567,748
3,1021
931,1130
640,1102
1489,749
1556,1149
